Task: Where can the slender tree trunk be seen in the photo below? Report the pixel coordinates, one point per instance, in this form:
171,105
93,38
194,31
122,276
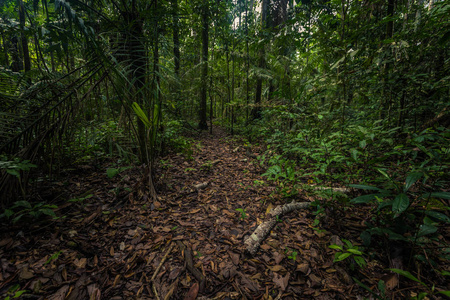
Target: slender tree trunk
256,111
136,51
203,125
16,64
176,37
24,40
387,99
247,93
5,61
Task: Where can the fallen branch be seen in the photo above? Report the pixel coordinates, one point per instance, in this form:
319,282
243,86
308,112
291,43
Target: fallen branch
259,235
334,189
157,270
190,265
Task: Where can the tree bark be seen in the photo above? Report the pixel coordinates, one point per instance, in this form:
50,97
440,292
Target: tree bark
203,125
256,111
262,231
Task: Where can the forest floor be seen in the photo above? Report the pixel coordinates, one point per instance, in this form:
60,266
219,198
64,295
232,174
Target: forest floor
112,242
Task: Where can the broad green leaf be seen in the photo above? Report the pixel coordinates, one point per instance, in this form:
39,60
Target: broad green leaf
111,172
8,213
446,293
354,251
141,114
13,172
426,230
19,293
364,198
364,286
383,172
342,257
354,154
382,287
438,216
411,179
363,144
22,203
407,275
442,195
401,203
337,247
48,212
364,187
360,261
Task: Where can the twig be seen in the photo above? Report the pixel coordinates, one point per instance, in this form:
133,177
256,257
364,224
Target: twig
157,270
162,262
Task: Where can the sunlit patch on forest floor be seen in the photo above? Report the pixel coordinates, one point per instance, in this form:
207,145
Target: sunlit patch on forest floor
112,242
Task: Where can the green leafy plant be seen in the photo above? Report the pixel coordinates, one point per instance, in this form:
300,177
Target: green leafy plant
21,209
80,199
292,254
54,257
242,212
14,292
15,166
349,250
431,290
112,172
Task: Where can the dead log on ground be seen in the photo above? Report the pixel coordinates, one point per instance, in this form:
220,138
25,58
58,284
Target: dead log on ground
259,235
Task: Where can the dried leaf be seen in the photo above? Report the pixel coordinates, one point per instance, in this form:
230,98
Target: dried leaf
304,268
281,281
234,257
25,273
277,268
193,292
60,294
80,263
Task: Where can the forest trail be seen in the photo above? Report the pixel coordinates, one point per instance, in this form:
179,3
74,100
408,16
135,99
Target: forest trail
113,244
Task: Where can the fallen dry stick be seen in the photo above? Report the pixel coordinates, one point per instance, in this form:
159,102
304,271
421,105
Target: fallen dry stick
190,265
157,270
259,235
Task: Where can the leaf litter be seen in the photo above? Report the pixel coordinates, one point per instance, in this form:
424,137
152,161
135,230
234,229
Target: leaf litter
116,244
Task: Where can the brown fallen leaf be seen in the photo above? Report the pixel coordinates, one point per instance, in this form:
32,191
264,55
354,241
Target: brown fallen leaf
278,257
234,257
248,283
277,268
390,280
193,292
60,294
315,280
304,267
281,281
80,263
174,273
25,273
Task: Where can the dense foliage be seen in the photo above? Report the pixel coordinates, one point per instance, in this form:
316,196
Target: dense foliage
339,93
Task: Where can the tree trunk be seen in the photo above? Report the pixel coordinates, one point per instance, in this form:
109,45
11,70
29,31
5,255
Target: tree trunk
16,64
136,51
176,37
203,125
24,40
256,111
